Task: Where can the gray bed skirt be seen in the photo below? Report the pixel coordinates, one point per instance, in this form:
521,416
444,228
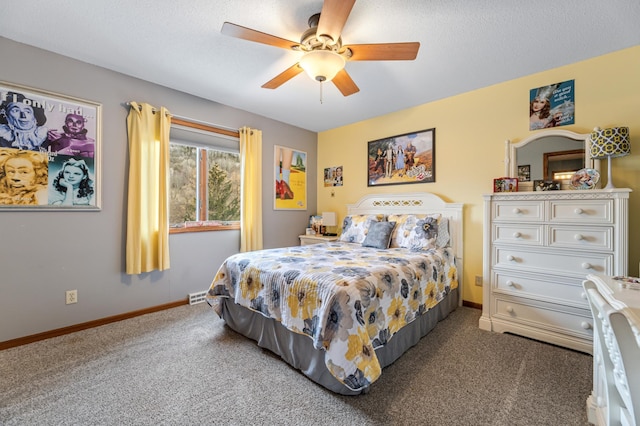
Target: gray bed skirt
298,351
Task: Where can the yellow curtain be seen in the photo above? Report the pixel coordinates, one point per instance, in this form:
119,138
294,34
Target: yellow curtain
251,189
148,207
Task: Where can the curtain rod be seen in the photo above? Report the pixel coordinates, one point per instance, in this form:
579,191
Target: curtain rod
197,124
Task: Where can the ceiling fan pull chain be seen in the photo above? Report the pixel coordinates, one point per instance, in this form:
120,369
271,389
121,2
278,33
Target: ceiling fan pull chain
321,101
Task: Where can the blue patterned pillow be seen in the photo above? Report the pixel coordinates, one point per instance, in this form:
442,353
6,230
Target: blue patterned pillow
379,235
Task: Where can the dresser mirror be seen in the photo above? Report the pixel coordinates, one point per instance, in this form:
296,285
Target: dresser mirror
548,155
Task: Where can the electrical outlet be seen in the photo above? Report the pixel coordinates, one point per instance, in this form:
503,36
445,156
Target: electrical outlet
72,296
479,280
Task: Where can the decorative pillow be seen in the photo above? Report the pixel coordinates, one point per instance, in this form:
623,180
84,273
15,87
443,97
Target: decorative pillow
355,227
379,235
420,232
442,240
402,229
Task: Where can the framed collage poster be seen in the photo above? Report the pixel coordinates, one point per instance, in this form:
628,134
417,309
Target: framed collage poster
49,150
290,179
408,158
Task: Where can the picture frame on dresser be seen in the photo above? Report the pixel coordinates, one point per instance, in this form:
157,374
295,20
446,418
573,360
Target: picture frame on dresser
546,185
524,173
505,184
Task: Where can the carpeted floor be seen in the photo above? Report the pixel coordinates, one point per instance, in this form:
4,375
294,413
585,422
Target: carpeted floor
183,366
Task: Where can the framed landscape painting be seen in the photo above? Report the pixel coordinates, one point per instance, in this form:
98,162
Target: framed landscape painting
49,150
402,159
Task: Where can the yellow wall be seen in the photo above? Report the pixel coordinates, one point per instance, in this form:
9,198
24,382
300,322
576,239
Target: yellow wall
471,129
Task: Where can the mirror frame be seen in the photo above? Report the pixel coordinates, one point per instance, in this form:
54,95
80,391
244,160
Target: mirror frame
511,161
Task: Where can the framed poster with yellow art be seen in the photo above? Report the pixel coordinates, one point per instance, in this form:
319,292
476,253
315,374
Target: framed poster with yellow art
402,159
49,150
290,179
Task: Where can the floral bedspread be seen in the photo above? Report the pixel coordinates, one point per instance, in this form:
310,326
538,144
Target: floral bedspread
349,299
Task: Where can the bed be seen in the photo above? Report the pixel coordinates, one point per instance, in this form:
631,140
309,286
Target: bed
341,311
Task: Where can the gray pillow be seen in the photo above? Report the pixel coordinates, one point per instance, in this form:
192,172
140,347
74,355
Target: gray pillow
379,235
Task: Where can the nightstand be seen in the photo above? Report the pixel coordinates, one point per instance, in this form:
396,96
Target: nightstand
306,240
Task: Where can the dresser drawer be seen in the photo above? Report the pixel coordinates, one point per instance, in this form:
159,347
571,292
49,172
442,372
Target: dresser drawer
518,211
582,211
553,261
517,234
559,290
573,237
549,317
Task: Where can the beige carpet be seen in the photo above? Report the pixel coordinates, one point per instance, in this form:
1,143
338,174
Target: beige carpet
184,367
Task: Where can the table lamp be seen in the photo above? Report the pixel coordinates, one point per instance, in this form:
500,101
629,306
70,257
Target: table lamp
608,143
329,219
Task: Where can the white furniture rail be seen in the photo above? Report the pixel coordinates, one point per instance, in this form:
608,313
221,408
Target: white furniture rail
615,304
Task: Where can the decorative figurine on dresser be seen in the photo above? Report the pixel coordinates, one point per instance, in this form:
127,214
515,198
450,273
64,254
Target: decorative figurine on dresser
540,245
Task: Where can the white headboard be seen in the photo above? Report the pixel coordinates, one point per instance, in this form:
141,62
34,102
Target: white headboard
418,203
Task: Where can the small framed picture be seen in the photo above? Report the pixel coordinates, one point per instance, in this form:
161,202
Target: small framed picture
524,173
315,222
546,185
505,184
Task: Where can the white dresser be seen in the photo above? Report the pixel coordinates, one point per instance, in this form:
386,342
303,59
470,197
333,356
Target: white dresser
538,248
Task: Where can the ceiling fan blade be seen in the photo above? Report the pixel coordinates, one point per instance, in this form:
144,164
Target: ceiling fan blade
384,51
344,83
283,77
333,16
244,33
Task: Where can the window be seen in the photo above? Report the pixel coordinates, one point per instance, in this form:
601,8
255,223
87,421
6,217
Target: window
204,190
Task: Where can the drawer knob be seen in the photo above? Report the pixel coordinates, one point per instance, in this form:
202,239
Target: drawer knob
517,211
511,283
517,235
585,325
578,237
509,309
578,211
586,265
510,258
583,295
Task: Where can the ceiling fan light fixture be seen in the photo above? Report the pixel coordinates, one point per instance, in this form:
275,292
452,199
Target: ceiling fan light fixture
322,65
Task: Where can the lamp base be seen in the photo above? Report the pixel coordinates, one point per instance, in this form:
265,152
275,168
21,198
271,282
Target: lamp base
609,180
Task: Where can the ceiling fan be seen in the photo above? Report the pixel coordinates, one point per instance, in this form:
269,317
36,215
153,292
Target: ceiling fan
324,54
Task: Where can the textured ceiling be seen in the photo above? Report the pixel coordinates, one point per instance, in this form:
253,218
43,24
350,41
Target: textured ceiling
465,45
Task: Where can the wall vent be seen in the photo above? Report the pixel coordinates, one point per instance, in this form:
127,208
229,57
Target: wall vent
198,297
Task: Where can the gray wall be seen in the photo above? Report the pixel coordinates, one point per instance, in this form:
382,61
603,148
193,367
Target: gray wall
42,254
